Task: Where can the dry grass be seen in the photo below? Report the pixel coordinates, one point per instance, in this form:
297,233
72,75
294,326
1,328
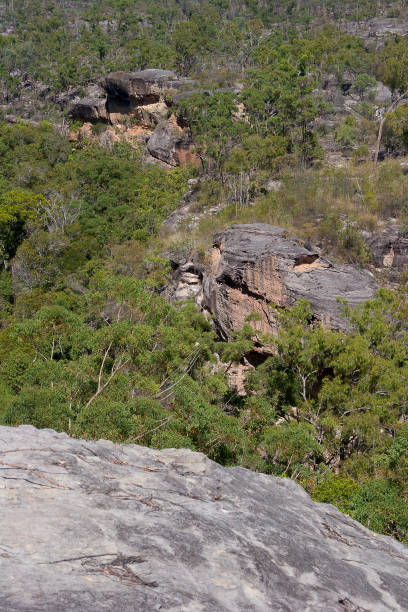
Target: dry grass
330,207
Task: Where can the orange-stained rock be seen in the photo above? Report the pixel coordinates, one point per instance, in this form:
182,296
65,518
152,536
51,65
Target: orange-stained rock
171,144
85,131
186,155
142,95
256,268
137,104
73,136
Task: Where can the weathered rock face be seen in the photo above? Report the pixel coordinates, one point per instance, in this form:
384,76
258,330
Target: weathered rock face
377,28
389,249
89,110
254,265
96,526
140,100
171,144
141,95
142,86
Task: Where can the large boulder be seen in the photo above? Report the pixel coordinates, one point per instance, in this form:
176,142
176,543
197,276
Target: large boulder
91,526
253,268
89,110
145,86
142,96
171,144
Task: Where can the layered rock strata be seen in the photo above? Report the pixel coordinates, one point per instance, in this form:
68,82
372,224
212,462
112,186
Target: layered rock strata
97,526
142,99
257,268
140,94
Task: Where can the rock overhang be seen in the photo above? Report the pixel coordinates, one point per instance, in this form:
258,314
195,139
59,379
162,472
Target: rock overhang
253,266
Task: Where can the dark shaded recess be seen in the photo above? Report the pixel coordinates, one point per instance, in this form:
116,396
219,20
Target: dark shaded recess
306,259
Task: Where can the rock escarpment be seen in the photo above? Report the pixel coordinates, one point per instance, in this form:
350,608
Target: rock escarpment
377,28
97,526
257,267
141,95
144,100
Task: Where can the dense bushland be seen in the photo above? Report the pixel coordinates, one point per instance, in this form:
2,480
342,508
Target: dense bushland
126,34
88,345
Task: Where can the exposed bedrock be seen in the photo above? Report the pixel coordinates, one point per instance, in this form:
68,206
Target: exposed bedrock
143,100
171,144
89,110
255,265
378,28
389,250
91,526
142,86
142,95
254,268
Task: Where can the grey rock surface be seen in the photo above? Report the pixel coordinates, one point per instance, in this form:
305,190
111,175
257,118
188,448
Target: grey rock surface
377,27
141,94
383,94
89,110
143,85
254,265
91,526
389,249
170,144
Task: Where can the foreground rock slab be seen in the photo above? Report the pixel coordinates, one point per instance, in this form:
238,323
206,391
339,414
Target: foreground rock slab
91,526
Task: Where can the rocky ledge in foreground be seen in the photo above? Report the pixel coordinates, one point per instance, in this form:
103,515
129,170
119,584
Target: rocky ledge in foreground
97,526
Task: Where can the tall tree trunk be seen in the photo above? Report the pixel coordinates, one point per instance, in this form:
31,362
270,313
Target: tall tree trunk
402,99
378,143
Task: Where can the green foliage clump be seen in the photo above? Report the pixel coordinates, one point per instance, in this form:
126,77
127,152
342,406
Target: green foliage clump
340,398
336,490
347,133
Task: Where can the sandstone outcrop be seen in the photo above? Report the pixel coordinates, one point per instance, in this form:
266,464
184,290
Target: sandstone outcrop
389,250
141,95
149,85
377,28
253,266
257,267
131,101
89,110
91,526
170,143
